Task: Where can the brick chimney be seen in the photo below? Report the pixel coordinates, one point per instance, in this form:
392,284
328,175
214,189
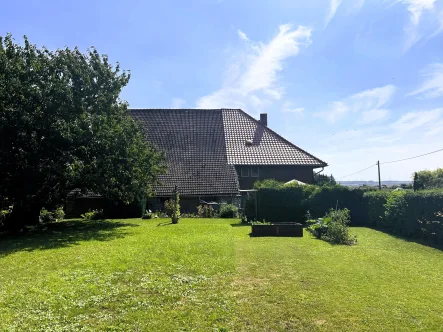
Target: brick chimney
264,119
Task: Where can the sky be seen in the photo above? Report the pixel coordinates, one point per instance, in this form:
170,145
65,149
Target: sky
350,81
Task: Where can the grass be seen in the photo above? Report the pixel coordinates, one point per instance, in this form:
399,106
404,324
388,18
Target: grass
210,275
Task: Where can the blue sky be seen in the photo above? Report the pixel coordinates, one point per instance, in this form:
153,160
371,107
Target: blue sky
351,81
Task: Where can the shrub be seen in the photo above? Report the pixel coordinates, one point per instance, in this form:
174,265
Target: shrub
93,215
4,214
169,207
263,222
46,216
148,215
189,215
161,214
59,213
175,206
51,216
334,228
268,183
206,211
228,211
319,227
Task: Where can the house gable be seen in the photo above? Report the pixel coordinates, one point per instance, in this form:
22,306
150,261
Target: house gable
249,142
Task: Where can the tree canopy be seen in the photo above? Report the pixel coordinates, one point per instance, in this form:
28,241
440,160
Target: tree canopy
428,179
63,126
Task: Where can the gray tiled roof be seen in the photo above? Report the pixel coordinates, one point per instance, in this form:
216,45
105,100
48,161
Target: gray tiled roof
194,143
267,148
202,147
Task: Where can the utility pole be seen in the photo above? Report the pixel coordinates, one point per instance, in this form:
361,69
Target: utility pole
379,179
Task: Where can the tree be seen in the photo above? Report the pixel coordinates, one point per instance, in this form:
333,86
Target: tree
428,179
322,179
63,126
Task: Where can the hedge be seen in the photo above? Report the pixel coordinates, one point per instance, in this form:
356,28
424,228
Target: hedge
282,205
406,213
291,204
411,214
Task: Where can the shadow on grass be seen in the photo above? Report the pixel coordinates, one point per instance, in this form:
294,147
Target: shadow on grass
165,223
428,243
63,234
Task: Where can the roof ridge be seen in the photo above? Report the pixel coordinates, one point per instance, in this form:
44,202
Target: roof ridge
278,135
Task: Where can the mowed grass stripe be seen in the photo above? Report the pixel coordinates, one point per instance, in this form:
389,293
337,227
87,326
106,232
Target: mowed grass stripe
208,275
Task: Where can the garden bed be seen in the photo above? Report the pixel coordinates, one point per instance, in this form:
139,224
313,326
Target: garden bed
278,229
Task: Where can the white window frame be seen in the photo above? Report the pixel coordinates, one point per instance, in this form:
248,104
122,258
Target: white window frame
256,174
244,171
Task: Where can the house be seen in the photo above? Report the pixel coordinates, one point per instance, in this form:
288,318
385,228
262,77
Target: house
212,154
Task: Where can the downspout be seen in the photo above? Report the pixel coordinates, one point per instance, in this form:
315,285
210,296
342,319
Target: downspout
322,169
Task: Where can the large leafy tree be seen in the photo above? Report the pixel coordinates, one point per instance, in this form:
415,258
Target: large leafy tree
63,126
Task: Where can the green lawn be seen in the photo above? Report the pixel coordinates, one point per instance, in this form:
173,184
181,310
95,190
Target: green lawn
208,275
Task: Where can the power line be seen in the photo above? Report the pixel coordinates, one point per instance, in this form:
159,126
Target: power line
357,172
396,161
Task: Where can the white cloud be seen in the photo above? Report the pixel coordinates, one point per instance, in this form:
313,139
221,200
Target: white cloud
413,120
374,115
432,87
333,6
178,103
289,107
416,9
252,80
366,102
242,35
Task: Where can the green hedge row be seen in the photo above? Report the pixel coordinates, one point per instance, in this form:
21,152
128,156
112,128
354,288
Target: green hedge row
406,213
412,214
293,203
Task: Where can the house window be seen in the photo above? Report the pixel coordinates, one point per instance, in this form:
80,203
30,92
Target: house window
245,172
254,172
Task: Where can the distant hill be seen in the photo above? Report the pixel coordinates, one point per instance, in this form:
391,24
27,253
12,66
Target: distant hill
373,183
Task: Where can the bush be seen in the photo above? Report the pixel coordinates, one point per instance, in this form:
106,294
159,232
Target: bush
334,228
228,211
148,215
46,216
268,183
51,216
93,215
319,227
4,214
206,211
189,215
169,207
59,214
